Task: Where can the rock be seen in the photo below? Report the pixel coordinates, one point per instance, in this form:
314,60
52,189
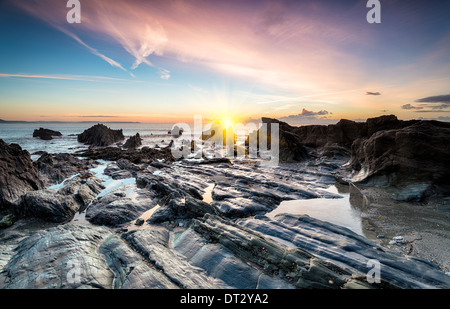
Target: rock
63,257
46,134
133,142
136,156
54,168
100,135
339,245
18,175
130,269
343,133
8,221
60,205
112,210
413,161
139,222
181,207
291,148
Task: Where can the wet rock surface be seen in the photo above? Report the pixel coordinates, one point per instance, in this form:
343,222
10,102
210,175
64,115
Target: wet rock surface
60,205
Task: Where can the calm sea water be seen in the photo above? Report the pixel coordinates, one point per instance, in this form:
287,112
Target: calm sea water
22,133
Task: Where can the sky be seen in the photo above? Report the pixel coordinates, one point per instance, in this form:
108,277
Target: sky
305,62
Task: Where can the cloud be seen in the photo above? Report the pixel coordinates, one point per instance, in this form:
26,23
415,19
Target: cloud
220,36
433,111
98,116
307,113
92,50
307,117
436,99
409,107
84,78
373,93
433,104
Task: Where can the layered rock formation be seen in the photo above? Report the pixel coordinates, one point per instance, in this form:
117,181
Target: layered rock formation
415,159
100,135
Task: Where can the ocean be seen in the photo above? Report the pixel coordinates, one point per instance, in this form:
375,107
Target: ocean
22,133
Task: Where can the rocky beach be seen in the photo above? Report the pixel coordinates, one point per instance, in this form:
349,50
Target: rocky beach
127,216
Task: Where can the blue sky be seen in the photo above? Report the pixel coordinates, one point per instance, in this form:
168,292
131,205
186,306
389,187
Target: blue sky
315,61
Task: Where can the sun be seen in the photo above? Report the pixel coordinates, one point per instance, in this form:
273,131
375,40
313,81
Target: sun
226,122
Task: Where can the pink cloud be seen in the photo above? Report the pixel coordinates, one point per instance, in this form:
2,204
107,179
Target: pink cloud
268,44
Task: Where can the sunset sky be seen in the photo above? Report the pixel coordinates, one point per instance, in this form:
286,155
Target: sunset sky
309,61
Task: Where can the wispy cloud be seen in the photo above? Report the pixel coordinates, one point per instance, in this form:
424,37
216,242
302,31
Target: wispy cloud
436,104
92,50
372,93
84,78
410,107
436,99
98,116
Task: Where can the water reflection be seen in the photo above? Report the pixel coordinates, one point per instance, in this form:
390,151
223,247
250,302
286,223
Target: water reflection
345,211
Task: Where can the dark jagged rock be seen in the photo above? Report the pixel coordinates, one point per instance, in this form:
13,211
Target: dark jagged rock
343,133
54,168
133,142
18,175
412,159
46,134
100,135
291,148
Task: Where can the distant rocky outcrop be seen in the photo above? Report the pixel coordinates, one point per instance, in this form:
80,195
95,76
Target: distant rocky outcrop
100,135
18,175
46,134
133,142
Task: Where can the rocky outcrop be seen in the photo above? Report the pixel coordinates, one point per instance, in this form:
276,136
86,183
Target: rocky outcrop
100,135
133,142
414,160
18,175
59,205
291,147
46,134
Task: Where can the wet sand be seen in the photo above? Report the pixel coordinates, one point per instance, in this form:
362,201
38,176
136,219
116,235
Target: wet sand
425,227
